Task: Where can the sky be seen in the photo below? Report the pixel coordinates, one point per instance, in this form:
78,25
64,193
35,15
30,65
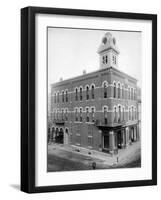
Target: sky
70,51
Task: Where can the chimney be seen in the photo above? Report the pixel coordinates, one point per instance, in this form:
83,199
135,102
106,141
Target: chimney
84,72
61,79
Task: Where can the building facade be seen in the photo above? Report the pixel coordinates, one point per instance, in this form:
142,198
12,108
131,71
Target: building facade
98,110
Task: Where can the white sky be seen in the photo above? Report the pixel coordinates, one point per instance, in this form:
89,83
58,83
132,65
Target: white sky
70,51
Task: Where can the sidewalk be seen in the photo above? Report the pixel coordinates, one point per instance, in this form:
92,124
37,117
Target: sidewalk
103,160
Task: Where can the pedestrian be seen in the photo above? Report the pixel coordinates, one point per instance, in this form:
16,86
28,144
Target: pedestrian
117,159
94,165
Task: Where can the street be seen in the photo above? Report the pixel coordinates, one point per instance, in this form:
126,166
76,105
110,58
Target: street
63,158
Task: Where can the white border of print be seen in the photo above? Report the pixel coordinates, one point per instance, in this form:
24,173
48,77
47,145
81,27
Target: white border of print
78,177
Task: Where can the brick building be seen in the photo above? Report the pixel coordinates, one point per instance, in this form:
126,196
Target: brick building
98,110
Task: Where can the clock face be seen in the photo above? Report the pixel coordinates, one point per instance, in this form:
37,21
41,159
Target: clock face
104,40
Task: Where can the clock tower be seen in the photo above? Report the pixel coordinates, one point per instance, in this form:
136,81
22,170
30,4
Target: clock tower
108,52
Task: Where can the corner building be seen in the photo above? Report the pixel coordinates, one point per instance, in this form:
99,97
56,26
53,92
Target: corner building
98,110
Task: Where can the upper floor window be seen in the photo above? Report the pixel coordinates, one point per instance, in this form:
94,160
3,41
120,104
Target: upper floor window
103,59
135,113
113,59
66,96
55,98
81,114
132,113
92,91
132,94
119,91
87,114
123,113
123,92
63,96
81,94
119,114
76,94
62,114
115,115
76,114
87,92
66,114
58,97
129,113
129,93
105,114
106,59
114,90
105,90
57,112
92,112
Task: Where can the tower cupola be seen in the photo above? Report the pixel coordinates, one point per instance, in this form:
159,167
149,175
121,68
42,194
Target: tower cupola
108,52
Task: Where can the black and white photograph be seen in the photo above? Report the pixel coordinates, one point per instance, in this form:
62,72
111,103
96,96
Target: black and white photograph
89,99
94,79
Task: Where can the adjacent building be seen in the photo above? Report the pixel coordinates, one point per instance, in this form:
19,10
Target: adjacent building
98,110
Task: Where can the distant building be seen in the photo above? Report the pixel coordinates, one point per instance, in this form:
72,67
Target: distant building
97,110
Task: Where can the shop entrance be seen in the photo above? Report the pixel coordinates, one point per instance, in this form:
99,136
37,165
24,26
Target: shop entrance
59,137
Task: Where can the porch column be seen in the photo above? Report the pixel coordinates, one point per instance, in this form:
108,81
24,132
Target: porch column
135,137
138,131
127,135
111,141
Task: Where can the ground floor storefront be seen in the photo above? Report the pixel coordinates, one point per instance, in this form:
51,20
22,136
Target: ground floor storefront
111,138
117,138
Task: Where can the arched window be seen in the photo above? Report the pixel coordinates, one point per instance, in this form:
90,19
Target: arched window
134,94
92,113
132,113
87,114
132,97
81,94
119,114
103,59
58,97
123,113
62,114
113,59
66,114
115,115
76,94
106,59
57,114
63,96
105,115
129,93
119,91
66,96
92,91
123,92
76,114
114,90
55,98
105,90
129,113
87,92
135,113
81,115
